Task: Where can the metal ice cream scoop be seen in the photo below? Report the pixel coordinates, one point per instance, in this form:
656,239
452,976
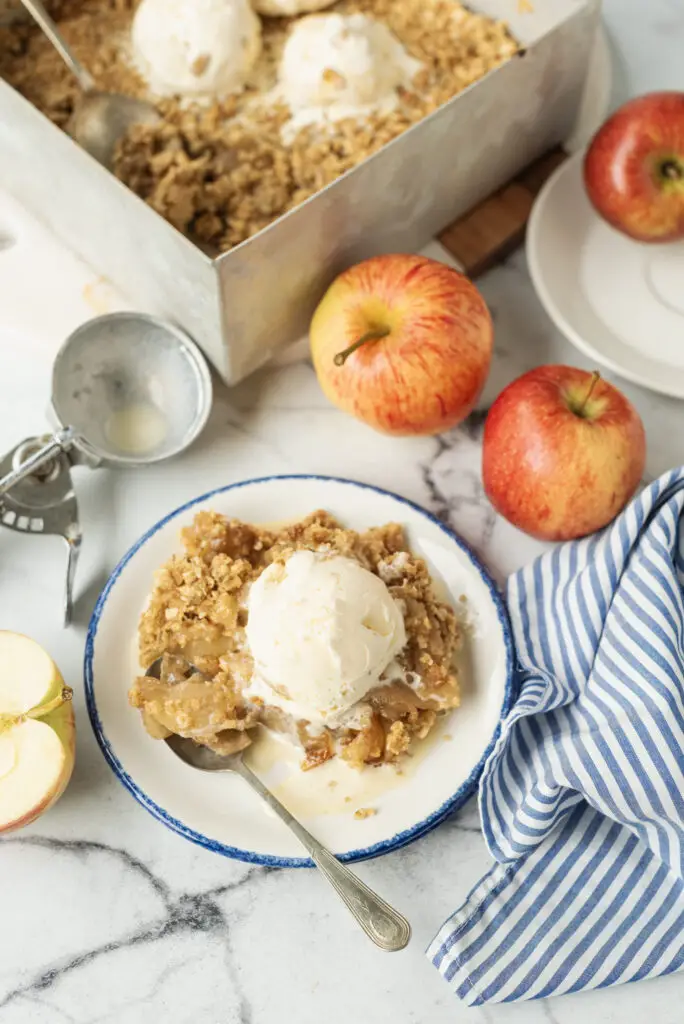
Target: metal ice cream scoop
127,390
99,119
384,925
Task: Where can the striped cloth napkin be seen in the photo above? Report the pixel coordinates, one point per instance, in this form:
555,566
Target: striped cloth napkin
582,800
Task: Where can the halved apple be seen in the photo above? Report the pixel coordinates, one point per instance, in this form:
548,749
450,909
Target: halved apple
37,732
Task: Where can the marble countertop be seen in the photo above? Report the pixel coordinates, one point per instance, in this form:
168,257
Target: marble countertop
109,917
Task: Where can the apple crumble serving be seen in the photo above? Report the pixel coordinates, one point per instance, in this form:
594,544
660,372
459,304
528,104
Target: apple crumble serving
333,638
316,95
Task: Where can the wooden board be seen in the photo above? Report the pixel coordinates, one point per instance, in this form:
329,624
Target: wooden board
488,233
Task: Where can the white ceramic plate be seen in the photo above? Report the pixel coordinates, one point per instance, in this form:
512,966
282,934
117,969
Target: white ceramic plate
619,301
219,811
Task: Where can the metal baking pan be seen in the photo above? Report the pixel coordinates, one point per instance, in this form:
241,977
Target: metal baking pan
259,296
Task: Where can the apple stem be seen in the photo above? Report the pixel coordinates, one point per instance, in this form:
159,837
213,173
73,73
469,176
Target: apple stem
595,378
374,335
62,697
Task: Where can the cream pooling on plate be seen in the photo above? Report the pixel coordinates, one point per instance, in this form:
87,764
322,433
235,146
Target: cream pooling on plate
195,47
322,630
335,66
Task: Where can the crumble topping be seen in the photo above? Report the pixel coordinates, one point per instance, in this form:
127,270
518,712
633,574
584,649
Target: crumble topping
197,613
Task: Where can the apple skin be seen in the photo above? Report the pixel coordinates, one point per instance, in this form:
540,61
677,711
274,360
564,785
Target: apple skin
63,722
426,375
634,168
552,471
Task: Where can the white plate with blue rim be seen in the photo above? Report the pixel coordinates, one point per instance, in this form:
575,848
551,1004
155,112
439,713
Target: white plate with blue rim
219,811
618,301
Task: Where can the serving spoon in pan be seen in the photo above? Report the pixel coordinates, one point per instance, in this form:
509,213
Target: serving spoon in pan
100,118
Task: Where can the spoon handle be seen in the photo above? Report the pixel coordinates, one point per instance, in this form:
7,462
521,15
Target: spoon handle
385,926
38,12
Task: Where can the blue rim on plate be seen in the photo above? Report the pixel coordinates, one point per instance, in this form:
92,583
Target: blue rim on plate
463,793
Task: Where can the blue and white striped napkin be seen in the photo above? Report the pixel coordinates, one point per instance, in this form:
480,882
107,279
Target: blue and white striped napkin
582,801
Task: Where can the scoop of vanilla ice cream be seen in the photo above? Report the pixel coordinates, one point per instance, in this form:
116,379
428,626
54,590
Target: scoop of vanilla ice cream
348,61
195,47
321,630
289,8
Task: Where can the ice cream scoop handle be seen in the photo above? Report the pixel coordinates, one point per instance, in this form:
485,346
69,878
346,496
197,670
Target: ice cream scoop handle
58,443
385,926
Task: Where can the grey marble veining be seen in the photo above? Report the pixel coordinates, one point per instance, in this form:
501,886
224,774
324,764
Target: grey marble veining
108,917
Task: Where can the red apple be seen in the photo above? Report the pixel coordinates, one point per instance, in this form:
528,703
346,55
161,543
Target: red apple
403,343
634,168
563,452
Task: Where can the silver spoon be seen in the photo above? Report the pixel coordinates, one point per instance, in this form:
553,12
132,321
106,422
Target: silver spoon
385,926
99,119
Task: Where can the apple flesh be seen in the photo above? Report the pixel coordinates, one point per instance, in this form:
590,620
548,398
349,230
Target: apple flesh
634,168
403,343
37,733
563,452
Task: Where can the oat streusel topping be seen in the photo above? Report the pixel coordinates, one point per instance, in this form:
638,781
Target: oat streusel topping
197,613
221,172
